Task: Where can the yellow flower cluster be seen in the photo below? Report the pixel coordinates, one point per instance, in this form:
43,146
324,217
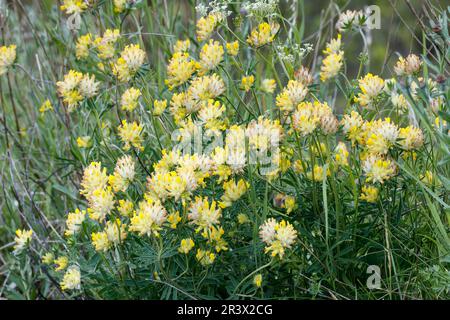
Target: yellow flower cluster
123,174
119,5
333,61
46,106
129,62
247,83
158,107
77,87
148,218
211,56
180,69
7,57
371,86
22,239
95,189
233,48
74,221
131,135
191,194
129,99
233,192
278,236
263,34
113,234
311,116
206,25
71,279
409,66
182,46
294,93
73,6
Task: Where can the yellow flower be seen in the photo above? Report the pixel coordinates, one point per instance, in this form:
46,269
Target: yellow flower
82,46
277,236
61,263
68,89
233,48
206,25
186,245
71,279
123,174
247,83
176,185
205,257
243,218
101,203
22,239
149,218
48,258
298,166
73,6
331,66
105,44
7,57
410,138
409,66
179,70
130,99
210,115
308,116
211,56
291,96
74,221
257,280
182,46
206,87
100,241
304,76
214,235
341,154
369,194
88,87
131,59
84,142
174,219
399,101
158,107
233,191
377,144
94,177
134,57
46,106
371,86
289,204
334,46
119,5
263,34
318,174
131,135
268,85
378,169
115,231
203,214
352,126
125,207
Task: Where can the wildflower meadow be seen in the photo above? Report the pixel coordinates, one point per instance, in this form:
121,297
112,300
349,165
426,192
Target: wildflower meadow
268,149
